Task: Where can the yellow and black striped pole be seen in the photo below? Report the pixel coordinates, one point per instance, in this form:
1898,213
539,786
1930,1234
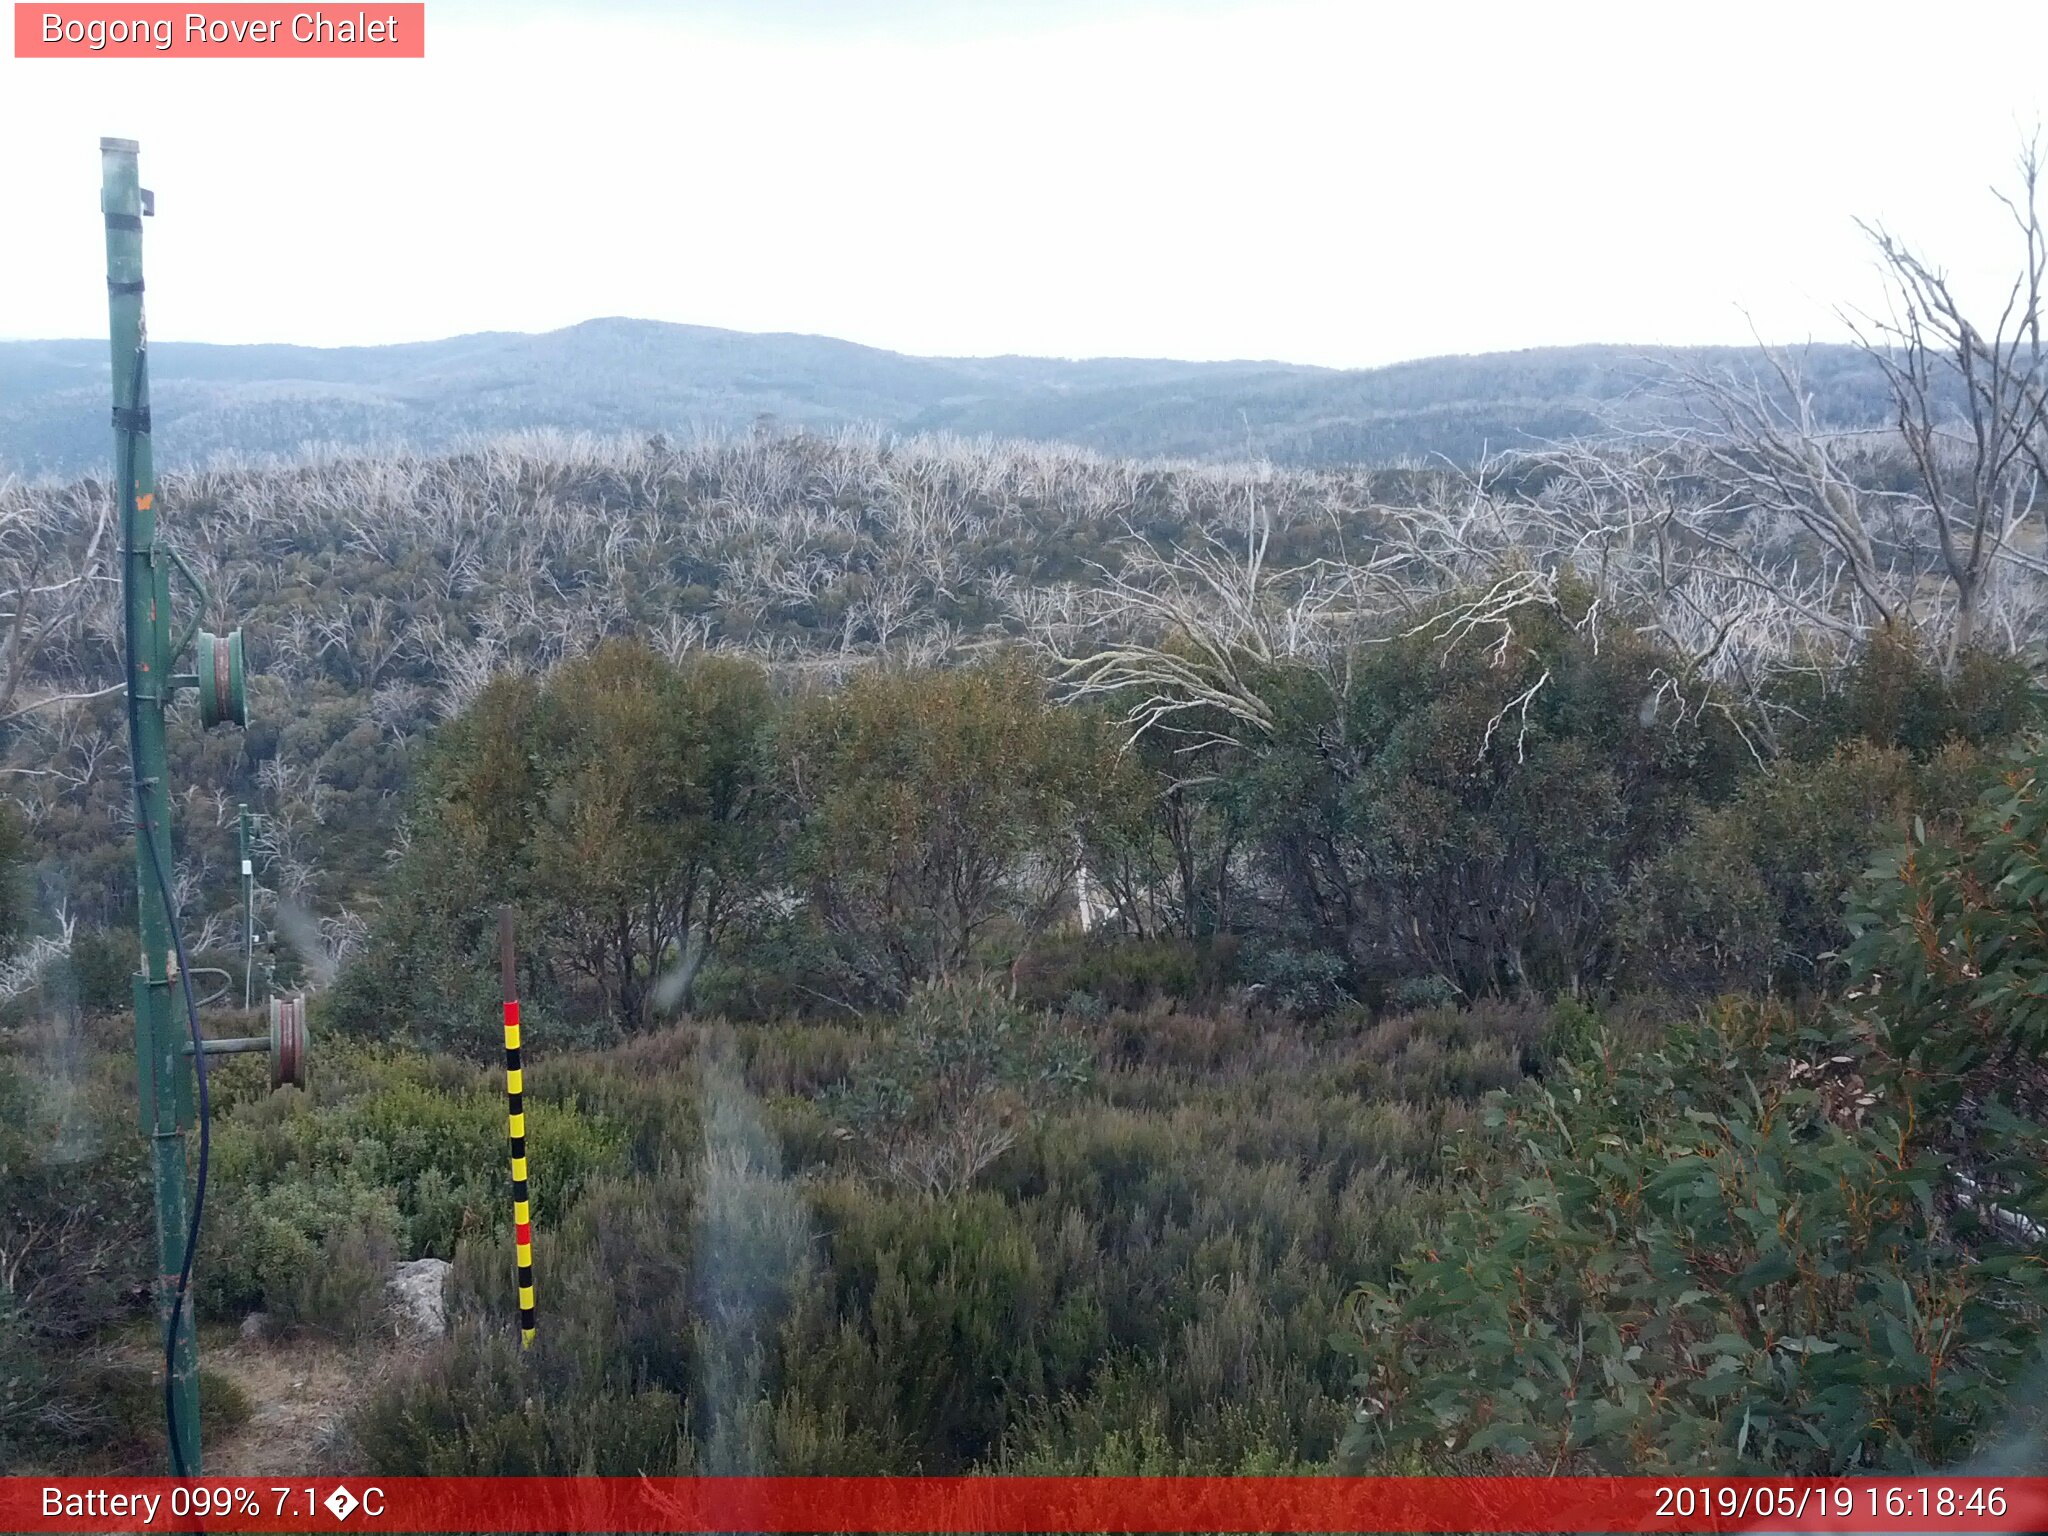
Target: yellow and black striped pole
515,1101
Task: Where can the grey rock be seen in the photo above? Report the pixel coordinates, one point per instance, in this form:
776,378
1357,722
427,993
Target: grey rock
418,1297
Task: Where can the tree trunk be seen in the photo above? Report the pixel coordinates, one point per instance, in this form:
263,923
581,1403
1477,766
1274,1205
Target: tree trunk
1964,634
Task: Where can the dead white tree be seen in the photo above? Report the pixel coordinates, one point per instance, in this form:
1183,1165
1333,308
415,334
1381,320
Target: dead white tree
1780,469
51,572
1970,404
22,970
1187,631
1807,515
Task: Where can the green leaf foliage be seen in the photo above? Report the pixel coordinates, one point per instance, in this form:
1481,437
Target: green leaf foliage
1472,809
937,811
1741,1250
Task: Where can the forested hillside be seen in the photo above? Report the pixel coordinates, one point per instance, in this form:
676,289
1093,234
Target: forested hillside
610,376
1232,833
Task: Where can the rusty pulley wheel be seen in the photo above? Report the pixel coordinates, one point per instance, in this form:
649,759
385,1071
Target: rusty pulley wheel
288,1041
223,684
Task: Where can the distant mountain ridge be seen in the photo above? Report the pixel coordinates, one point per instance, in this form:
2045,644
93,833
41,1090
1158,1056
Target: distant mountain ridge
619,375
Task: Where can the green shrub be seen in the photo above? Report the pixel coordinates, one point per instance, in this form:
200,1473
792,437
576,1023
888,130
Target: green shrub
1310,984
113,1421
1752,895
1951,958
966,1315
1444,1055
1474,810
1725,1254
268,1249
102,966
619,804
75,1245
1416,992
31,1386
952,1085
344,1294
1180,1230
937,811
778,965
1895,695
1131,1423
477,1407
392,1155
1122,972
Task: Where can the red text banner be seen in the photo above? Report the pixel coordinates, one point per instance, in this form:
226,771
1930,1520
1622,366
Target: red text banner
223,31
1035,1504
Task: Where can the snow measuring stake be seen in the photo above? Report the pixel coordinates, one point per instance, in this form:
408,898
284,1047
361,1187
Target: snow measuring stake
170,1051
515,1125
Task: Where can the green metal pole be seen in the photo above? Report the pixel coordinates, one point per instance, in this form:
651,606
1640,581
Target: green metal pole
162,1064
248,908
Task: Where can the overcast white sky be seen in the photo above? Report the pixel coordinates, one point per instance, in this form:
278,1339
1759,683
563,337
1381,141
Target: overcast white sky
1347,183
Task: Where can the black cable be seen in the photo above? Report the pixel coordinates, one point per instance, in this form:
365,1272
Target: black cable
163,885
176,1318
